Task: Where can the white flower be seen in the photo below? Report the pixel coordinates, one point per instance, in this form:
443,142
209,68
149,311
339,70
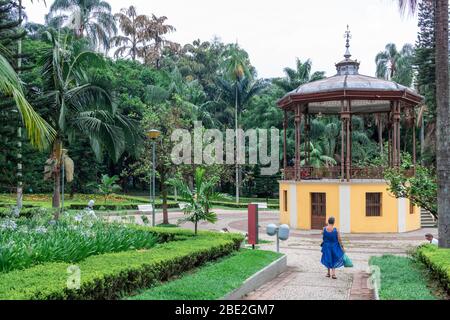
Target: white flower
40,229
8,225
78,217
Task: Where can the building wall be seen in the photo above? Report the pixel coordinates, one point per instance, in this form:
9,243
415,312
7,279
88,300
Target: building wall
304,203
413,219
360,223
347,203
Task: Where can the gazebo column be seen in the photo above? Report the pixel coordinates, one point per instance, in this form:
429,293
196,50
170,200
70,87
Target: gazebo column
285,126
390,149
349,142
298,119
343,124
307,138
413,112
396,134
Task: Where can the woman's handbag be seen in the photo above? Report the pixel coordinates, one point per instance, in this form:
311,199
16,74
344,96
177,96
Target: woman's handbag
347,262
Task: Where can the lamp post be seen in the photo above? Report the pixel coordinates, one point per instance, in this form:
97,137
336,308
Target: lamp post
153,135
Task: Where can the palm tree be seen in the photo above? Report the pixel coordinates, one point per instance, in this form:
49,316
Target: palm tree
131,24
88,18
442,112
396,65
39,132
79,104
317,158
298,76
154,30
198,200
240,92
236,67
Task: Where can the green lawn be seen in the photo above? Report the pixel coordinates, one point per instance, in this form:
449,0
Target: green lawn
403,278
214,280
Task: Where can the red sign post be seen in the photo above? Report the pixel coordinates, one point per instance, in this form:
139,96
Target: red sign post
252,224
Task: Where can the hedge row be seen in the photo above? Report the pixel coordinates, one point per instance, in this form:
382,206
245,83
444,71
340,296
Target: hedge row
26,212
229,204
438,260
113,275
118,207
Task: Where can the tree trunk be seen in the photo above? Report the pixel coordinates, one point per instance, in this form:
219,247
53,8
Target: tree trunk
237,143
56,154
19,127
195,228
56,189
443,123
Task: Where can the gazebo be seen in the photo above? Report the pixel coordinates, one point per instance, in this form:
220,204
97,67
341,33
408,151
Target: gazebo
356,196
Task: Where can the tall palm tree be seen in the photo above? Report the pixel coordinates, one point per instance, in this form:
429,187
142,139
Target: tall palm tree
87,18
298,76
39,132
79,105
442,112
396,65
236,66
154,31
131,24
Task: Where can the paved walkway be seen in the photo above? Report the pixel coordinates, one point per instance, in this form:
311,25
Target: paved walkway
305,278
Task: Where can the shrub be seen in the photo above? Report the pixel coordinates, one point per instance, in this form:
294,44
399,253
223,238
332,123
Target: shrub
118,207
26,212
27,242
112,275
438,260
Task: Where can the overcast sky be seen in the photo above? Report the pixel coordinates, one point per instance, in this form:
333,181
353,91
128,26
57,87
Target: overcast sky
275,32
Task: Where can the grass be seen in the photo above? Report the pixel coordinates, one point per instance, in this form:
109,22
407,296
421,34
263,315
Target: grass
214,280
403,278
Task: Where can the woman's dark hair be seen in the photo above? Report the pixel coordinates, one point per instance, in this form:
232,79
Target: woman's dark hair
331,220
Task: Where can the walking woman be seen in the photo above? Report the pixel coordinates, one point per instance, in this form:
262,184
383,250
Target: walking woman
332,249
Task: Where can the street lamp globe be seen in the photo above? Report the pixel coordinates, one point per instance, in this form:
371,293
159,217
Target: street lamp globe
153,134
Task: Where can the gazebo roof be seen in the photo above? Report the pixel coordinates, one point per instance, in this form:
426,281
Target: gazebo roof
367,94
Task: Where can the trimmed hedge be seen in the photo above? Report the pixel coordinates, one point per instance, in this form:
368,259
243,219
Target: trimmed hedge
234,205
26,212
438,260
118,207
113,275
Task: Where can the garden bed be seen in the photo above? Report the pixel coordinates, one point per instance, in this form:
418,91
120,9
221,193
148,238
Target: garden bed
402,278
214,280
109,276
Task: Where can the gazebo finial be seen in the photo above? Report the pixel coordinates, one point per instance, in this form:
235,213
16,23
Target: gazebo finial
348,36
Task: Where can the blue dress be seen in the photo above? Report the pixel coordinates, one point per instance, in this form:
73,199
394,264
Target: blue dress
332,254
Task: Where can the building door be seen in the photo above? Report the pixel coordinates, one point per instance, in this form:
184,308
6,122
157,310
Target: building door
318,210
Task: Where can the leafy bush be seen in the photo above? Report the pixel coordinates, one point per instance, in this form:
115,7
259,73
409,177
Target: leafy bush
27,242
112,275
438,260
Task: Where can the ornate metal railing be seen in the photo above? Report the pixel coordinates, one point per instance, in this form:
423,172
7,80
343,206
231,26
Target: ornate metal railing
312,173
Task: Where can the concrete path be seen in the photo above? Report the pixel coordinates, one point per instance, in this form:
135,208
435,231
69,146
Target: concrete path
305,278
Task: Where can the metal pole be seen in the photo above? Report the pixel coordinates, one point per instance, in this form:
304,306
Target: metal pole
153,183
62,185
278,241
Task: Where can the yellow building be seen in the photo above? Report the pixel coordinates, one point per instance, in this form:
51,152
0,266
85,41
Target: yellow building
357,197
359,206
